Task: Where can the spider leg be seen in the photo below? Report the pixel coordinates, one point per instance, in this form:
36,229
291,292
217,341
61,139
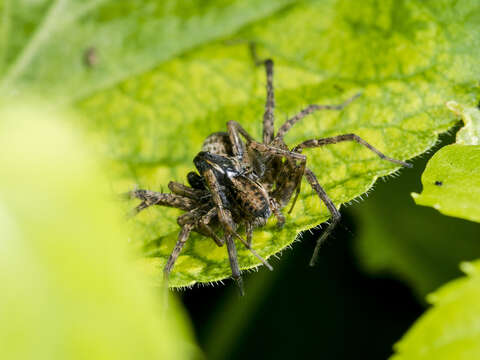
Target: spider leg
234,131
186,191
308,110
232,256
203,224
150,198
225,216
249,232
207,231
268,116
292,155
182,239
289,183
278,214
200,218
299,172
312,180
346,137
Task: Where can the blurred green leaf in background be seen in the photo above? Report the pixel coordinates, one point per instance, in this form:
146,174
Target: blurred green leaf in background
449,330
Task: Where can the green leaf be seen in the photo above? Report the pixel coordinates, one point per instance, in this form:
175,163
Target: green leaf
469,134
45,43
451,181
449,330
406,57
70,288
417,244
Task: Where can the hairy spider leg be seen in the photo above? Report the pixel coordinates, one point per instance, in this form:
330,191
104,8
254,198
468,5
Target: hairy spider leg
201,218
204,224
182,239
268,116
234,130
312,180
232,256
183,236
249,232
225,216
150,198
186,191
346,137
299,172
316,186
308,110
283,195
278,213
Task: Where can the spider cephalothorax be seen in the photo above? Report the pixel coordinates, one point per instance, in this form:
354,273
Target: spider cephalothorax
242,182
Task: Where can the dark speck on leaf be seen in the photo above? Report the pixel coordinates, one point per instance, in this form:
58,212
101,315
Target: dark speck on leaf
90,57
438,183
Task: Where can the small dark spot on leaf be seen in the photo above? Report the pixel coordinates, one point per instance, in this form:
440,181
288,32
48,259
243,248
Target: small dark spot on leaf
338,88
438,183
90,57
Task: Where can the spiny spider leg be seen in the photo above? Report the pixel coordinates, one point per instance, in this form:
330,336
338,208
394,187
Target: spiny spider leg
203,224
290,155
277,152
277,212
249,232
201,220
225,216
346,137
186,191
185,233
150,198
312,180
299,173
182,239
232,256
235,140
308,110
245,243
268,116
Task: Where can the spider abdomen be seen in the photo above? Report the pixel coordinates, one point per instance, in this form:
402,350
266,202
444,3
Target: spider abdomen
218,143
251,197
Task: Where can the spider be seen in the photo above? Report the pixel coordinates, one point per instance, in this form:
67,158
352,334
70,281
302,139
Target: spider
243,182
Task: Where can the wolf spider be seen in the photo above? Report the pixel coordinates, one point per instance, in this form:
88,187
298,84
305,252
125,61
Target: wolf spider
242,182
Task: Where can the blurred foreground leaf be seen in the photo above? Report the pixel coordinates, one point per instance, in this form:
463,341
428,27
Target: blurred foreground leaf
449,330
69,289
406,57
451,181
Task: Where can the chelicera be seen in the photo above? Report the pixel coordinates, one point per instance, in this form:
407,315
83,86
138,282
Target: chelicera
242,182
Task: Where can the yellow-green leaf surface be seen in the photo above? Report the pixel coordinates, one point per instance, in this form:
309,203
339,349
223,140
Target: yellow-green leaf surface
449,330
69,287
406,57
451,181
